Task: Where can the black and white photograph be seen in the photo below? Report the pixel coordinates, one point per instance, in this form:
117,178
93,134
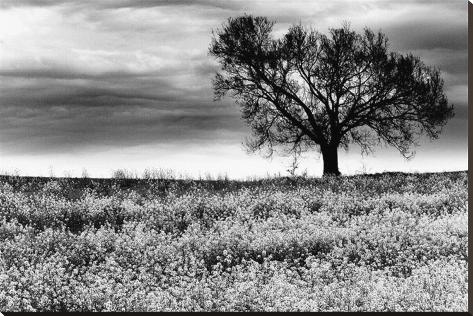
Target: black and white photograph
233,156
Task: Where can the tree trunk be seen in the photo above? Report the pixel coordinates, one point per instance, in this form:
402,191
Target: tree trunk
330,157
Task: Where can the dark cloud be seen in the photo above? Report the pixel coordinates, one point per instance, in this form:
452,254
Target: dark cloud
61,110
116,4
429,35
83,75
66,74
72,131
103,118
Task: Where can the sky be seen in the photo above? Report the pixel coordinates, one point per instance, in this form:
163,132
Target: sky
126,84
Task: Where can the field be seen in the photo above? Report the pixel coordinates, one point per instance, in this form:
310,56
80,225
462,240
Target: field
386,242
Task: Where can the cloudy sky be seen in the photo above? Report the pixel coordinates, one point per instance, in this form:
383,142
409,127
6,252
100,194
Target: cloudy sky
108,84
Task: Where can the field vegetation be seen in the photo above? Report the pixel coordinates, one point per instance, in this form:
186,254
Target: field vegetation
384,242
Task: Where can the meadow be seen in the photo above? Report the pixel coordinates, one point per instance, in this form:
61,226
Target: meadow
384,242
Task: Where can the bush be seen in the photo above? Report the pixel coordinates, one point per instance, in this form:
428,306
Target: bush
388,242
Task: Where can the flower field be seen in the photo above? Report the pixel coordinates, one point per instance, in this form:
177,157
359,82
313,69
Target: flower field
386,242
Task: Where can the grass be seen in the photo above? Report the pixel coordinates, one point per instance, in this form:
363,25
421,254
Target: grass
383,242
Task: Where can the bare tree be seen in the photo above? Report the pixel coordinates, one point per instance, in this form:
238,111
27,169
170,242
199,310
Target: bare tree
308,90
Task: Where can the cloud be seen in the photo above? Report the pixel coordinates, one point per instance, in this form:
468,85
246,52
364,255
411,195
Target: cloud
90,75
117,4
66,130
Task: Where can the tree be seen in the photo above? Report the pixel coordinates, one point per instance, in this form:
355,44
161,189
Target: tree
308,90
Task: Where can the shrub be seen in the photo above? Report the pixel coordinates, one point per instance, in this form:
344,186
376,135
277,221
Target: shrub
388,242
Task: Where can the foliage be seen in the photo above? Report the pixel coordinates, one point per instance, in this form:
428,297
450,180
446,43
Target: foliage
387,242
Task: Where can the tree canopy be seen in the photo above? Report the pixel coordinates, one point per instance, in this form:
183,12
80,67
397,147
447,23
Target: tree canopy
309,90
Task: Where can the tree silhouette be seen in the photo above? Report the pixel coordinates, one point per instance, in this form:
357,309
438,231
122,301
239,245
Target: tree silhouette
308,90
